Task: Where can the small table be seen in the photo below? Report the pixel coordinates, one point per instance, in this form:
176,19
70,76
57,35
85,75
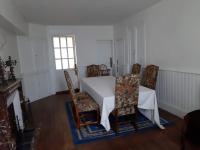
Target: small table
102,89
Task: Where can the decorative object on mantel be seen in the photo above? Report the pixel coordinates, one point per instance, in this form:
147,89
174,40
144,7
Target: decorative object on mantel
7,70
11,63
2,73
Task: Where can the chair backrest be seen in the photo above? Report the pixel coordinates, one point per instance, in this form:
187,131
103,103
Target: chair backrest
103,67
136,69
126,91
150,76
103,70
74,77
69,84
93,70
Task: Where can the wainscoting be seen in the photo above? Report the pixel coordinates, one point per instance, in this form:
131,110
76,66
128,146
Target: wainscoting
178,92
36,85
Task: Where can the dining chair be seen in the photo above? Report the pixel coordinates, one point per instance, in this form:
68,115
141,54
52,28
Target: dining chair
103,70
190,139
136,68
150,76
83,105
126,98
73,74
93,70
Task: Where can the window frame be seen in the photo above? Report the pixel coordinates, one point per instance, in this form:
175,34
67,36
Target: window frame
60,48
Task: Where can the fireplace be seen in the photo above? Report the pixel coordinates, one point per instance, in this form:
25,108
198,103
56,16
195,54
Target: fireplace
13,122
15,110
11,117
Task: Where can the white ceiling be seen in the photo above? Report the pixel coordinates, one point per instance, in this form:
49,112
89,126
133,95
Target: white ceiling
79,12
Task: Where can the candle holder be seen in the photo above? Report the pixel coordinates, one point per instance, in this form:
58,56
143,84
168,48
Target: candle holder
11,63
2,72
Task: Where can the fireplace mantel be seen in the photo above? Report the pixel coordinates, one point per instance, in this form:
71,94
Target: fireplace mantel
6,90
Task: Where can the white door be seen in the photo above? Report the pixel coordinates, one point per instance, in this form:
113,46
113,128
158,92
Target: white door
119,57
104,51
132,47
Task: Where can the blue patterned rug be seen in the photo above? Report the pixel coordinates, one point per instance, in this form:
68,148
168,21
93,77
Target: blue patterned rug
97,132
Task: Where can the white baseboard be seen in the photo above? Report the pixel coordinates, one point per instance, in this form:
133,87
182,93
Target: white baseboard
172,109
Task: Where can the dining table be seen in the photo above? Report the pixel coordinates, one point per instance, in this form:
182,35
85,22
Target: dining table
102,90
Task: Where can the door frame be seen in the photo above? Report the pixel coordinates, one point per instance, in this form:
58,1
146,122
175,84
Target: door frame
132,42
115,55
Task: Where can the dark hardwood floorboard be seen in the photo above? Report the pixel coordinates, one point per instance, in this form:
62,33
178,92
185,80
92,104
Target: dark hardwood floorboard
50,116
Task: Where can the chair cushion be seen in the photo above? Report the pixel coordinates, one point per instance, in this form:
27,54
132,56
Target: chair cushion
81,95
86,104
126,111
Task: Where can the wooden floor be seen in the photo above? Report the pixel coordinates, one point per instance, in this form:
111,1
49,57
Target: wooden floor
50,116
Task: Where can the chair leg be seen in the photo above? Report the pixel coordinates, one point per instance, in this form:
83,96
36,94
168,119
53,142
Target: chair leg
74,112
134,122
134,118
116,121
78,126
77,118
98,116
78,123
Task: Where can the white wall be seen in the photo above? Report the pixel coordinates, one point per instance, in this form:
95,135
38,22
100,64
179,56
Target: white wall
173,35
40,78
132,32
170,32
87,40
33,52
9,48
11,19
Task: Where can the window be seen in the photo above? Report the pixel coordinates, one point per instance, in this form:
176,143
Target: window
64,52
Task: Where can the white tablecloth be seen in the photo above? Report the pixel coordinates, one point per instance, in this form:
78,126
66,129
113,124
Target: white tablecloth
102,90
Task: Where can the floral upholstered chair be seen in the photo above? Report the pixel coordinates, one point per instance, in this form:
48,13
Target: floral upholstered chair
190,139
82,102
93,71
136,69
74,76
126,97
103,70
150,76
